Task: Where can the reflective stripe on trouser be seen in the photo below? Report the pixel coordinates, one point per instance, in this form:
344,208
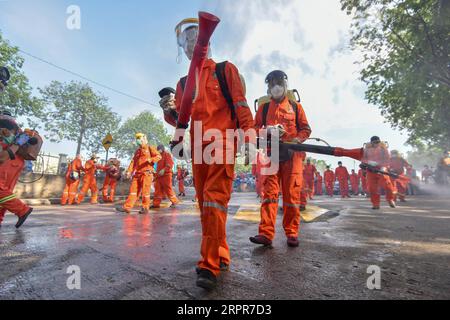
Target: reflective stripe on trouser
10,202
70,191
290,177
89,183
213,185
140,185
163,187
375,181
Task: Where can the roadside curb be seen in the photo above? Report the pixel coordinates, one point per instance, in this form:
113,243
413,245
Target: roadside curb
52,201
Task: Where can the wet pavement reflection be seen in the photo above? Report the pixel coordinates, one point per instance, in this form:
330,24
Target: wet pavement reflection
153,256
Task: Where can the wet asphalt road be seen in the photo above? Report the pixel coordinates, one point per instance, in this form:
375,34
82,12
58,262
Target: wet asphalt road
153,256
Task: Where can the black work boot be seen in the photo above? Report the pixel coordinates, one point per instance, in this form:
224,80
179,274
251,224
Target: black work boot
293,242
23,218
224,267
122,209
206,279
259,239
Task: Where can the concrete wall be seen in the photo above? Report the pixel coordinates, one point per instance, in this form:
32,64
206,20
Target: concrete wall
52,186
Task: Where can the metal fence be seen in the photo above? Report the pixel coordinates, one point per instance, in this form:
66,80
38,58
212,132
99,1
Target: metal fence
45,163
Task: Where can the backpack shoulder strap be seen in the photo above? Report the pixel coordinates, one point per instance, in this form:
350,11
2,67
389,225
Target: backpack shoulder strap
295,107
220,74
264,113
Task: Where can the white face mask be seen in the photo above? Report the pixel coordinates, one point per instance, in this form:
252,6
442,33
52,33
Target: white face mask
277,92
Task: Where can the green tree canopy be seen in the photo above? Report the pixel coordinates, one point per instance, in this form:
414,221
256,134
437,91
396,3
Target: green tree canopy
74,112
320,165
405,62
17,98
424,156
146,123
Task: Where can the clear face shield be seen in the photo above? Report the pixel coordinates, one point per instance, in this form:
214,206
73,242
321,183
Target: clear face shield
277,88
187,40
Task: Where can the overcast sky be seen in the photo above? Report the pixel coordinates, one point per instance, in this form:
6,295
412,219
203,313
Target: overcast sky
131,46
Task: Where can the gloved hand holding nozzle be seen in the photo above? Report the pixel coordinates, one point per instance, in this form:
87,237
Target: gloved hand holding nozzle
167,101
277,130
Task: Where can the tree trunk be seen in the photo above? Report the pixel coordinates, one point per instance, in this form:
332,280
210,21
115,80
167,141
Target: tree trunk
79,142
82,130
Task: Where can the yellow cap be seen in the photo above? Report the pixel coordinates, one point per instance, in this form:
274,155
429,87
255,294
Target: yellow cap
183,22
139,135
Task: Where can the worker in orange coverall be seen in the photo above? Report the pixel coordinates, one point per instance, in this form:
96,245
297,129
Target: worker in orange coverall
11,165
341,174
112,176
319,184
287,120
163,183
329,178
309,171
73,176
354,182
399,165
213,181
181,175
362,177
376,154
141,172
89,180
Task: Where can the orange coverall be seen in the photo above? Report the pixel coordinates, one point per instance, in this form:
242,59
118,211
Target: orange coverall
363,178
309,172
71,187
9,175
181,174
329,182
163,184
290,173
381,156
110,183
319,187
399,165
342,176
354,181
89,182
256,171
141,167
213,182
